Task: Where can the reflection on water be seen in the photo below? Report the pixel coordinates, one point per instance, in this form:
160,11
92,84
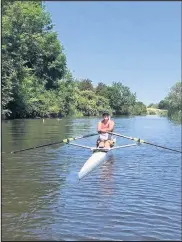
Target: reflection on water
106,176
135,195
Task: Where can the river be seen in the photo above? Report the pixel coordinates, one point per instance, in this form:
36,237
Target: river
135,195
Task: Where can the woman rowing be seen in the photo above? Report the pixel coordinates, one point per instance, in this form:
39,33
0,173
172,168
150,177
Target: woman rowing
104,126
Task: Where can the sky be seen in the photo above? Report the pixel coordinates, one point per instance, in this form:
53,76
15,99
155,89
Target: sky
136,43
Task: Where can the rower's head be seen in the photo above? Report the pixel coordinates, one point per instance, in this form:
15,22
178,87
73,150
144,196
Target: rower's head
106,115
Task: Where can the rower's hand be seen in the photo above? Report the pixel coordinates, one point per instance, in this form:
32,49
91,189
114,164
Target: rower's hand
103,130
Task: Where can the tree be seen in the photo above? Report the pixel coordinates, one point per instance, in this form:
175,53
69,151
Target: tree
120,98
139,108
35,77
90,104
85,84
67,93
175,102
8,75
174,97
163,104
101,89
29,48
153,105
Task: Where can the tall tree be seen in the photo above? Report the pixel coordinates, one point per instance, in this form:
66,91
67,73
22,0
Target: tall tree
139,108
85,84
174,96
101,89
163,104
174,101
30,47
121,98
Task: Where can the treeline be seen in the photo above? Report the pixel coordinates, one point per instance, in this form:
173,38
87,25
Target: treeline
36,81
172,102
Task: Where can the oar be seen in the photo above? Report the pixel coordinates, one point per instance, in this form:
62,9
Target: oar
143,141
58,142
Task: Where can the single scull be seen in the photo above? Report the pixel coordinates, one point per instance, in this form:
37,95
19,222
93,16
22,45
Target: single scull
98,156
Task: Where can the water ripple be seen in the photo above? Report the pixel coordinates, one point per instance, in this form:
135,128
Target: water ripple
135,195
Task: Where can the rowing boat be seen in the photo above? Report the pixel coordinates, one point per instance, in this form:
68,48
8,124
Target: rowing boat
98,154
97,158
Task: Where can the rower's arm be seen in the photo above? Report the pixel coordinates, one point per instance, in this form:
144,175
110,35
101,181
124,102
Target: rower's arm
99,127
111,127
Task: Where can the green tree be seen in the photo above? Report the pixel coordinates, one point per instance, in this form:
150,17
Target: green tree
8,76
30,48
175,102
174,96
120,98
101,89
35,77
67,93
139,108
163,104
85,84
90,104
153,105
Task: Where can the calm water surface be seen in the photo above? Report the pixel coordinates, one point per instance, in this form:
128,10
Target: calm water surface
135,195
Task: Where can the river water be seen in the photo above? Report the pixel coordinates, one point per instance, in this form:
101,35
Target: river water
135,195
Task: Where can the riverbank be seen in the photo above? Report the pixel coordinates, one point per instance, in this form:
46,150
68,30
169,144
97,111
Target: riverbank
156,111
150,111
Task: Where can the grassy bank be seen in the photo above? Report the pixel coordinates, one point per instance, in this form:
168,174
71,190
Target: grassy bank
156,111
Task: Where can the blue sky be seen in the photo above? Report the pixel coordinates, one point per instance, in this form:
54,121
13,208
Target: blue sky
137,43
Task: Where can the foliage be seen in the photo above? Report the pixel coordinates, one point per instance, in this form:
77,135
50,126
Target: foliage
31,51
151,111
35,79
152,105
120,98
8,76
67,93
174,97
85,84
90,104
139,108
163,104
174,102
101,89
156,111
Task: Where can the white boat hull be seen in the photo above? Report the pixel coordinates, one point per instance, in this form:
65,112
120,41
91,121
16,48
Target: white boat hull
94,161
